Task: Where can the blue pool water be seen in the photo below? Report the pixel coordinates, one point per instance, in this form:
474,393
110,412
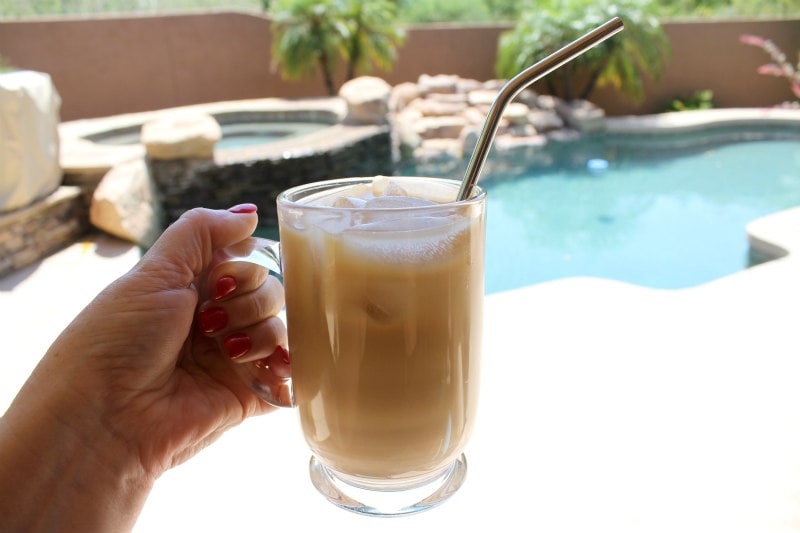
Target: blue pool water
635,210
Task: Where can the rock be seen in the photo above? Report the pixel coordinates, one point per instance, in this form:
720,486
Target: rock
441,83
474,115
494,85
469,139
125,204
402,94
544,120
440,127
431,107
405,130
465,85
29,144
367,100
181,135
482,97
582,115
548,102
516,114
521,130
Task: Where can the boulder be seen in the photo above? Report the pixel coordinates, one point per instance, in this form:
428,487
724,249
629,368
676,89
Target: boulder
482,97
405,130
440,127
125,204
403,94
29,144
367,99
181,135
516,114
440,83
582,115
544,120
431,107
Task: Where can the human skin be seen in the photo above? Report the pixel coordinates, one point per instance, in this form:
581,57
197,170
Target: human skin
134,386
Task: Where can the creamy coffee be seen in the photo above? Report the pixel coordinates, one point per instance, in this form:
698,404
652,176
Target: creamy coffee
384,291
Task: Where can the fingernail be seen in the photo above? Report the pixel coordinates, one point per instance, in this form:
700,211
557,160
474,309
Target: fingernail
224,286
283,354
213,319
236,344
244,208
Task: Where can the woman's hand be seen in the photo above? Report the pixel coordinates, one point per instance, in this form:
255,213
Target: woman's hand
137,384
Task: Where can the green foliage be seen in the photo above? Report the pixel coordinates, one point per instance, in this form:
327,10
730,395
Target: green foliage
641,50
311,34
307,34
698,100
5,66
728,8
373,36
425,11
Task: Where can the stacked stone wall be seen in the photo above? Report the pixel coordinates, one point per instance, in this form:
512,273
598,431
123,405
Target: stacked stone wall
36,231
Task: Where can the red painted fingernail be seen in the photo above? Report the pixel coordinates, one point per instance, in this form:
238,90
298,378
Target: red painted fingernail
237,344
283,354
244,208
212,319
224,286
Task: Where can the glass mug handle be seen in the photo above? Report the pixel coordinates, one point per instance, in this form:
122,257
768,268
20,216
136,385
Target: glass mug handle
271,388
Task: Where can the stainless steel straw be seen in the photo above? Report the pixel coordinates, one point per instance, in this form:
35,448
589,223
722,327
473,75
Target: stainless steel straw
516,84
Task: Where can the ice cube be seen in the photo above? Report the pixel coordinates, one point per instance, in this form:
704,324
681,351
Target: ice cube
383,186
333,222
396,202
349,201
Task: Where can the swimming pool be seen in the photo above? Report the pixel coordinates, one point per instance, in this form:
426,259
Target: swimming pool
664,212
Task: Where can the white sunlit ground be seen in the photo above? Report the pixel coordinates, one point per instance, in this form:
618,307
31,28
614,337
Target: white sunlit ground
605,407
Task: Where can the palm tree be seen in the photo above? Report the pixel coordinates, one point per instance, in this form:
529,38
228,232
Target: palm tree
311,34
373,35
623,62
308,34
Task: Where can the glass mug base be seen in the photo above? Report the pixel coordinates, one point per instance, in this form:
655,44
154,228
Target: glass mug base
386,499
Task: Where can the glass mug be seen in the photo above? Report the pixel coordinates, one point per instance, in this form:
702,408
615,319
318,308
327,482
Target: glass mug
384,310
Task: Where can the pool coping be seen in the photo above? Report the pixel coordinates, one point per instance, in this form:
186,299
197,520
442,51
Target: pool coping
79,155
686,121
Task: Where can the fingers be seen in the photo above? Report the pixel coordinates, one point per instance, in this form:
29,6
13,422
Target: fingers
241,312
186,247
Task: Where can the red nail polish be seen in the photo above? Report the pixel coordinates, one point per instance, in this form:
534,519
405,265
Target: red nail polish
244,208
283,354
236,344
212,319
224,287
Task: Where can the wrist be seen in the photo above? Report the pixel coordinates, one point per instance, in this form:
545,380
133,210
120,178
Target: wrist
60,469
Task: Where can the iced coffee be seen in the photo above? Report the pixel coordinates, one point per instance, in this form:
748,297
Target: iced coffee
384,291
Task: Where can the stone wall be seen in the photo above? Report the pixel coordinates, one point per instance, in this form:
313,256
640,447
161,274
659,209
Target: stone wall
33,232
347,151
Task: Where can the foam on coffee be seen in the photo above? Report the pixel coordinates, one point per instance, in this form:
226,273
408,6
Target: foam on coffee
366,212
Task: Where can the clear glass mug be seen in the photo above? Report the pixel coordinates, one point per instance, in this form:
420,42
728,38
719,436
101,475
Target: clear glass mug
384,310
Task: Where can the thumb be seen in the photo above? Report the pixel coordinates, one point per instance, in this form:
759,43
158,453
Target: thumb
186,248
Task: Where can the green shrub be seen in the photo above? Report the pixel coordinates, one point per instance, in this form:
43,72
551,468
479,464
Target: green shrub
697,100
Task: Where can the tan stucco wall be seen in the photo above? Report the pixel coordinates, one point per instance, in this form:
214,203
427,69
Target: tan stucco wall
116,65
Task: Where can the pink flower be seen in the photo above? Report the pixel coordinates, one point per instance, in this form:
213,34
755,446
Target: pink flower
796,88
771,69
754,40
